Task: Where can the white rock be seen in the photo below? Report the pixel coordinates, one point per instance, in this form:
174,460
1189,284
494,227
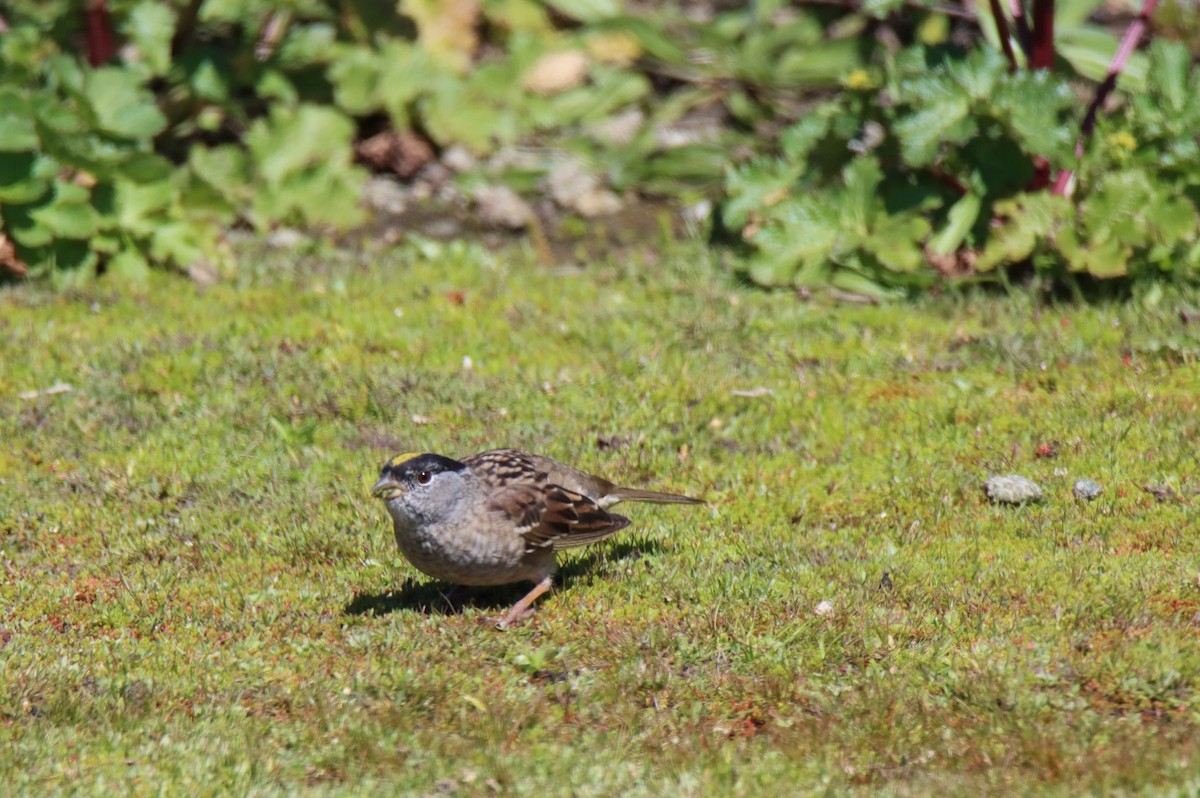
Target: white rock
1012,489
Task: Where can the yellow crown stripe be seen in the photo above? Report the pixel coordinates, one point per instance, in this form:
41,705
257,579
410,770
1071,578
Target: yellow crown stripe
400,459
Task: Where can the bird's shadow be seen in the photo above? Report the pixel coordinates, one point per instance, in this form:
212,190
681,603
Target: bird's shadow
433,597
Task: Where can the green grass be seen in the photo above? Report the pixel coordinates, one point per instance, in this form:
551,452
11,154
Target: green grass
200,597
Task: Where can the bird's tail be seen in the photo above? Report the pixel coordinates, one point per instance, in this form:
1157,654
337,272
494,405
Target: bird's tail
652,496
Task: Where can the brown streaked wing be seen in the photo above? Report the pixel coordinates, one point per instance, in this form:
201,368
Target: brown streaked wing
545,514
572,478
573,519
518,487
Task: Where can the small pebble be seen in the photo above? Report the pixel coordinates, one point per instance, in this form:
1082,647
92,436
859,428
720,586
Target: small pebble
824,609
500,206
1012,489
1086,489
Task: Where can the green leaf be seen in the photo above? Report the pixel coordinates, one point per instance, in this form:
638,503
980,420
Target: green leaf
1175,220
978,74
1035,107
59,119
208,75
225,168
128,266
1070,13
141,207
1170,63
24,229
231,10
959,221
798,140
586,10
881,8
987,24
408,73
69,214
121,105
520,16
754,186
274,85
323,194
820,64
860,198
1089,50
99,155
695,163
150,27
455,114
182,242
654,38
355,76
305,45
1104,259
25,176
1136,212
858,283
611,90
895,242
1028,220
67,73
1115,208
288,140
72,263
797,243
17,129
943,117
146,167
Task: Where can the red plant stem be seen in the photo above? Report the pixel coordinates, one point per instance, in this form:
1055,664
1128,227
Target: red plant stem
100,44
1024,35
1041,53
1064,183
1041,56
1002,32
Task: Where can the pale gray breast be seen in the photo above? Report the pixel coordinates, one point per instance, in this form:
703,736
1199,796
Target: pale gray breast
471,553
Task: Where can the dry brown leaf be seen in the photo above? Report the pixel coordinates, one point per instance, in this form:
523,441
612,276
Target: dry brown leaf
8,258
390,151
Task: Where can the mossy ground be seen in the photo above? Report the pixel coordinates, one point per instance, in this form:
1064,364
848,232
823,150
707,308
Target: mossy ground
199,596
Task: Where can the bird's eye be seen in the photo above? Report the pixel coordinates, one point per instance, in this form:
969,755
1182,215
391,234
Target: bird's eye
424,477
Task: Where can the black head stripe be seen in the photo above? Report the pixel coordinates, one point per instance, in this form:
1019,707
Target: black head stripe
408,466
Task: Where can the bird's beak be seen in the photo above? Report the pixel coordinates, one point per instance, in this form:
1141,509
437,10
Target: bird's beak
387,488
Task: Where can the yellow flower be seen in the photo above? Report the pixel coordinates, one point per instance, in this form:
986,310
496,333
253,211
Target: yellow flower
859,79
1123,140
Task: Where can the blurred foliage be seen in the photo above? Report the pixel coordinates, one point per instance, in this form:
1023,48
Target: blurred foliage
854,145
935,160
1142,176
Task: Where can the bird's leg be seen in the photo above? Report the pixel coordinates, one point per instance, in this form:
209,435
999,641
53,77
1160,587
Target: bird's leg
519,609
454,598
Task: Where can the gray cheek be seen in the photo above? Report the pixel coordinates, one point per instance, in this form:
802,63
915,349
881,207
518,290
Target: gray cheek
454,490
429,506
